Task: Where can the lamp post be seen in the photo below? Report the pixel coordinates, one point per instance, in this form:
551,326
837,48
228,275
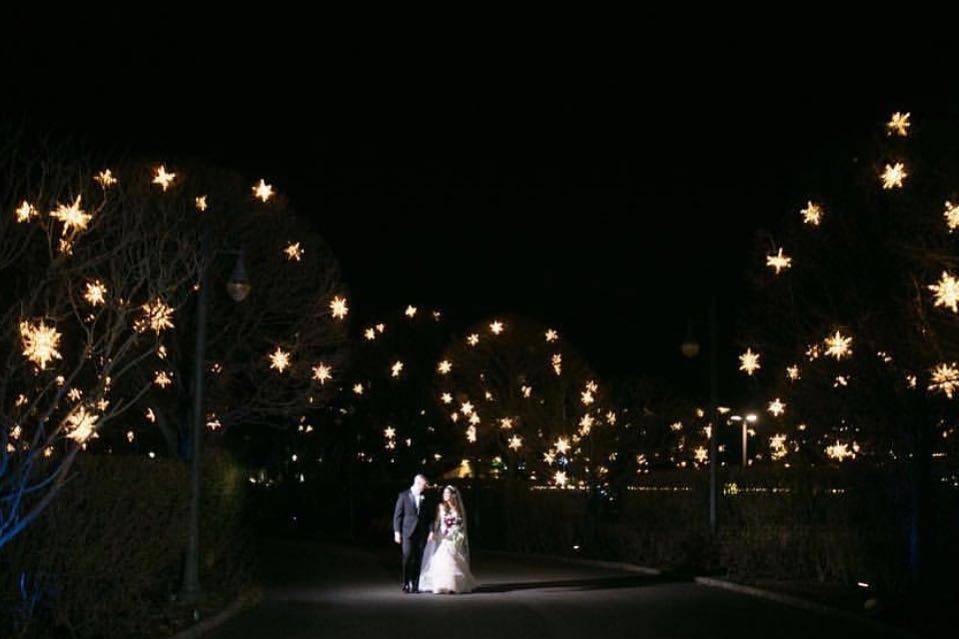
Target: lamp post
690,349
238,287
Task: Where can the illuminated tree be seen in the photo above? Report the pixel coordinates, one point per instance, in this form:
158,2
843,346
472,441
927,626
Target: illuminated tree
95,272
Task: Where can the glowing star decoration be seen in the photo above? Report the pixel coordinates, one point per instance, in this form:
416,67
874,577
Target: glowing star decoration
560,479
946,292
40,343
157,316
701,455
473,339
389,432
776,407
95,293
279,360
777,447
551,336
471,434
396,368
778,262
322,373
73,217
444,367
200,203
506,423
561,445
749,362
357,389
945,379
410,311
586,424
26,212
162,379
611,418
446,398
527,391
549,457
838,346
898,124
369,334
792,373
893,175
515,442
466,408
338,307
586,397
105,178
81,424
496,327
840,451
293,251
951,214
557,362
262,191
162,178
812,214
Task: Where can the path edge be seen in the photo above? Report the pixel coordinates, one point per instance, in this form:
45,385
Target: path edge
579,561
243,601
803,604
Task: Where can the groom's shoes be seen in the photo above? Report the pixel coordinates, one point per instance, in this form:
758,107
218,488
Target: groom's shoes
406,588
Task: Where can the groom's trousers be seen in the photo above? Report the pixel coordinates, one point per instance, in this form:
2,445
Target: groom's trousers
412,557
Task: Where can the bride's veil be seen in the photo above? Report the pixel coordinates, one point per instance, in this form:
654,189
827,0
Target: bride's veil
433,544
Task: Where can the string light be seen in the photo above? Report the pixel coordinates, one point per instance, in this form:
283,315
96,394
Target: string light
26,211
73,217
105,178
95,293
812,214
293,251
40,343
749,362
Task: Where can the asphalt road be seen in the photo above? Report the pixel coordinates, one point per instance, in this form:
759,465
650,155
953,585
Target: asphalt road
320,591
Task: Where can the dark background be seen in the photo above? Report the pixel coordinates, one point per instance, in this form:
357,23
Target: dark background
603,201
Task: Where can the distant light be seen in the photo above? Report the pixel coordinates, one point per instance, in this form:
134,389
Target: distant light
862,584
751,418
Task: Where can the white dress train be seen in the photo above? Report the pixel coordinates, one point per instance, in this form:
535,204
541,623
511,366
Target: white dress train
446,562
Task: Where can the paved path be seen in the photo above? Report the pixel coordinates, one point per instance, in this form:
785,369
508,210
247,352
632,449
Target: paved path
319,591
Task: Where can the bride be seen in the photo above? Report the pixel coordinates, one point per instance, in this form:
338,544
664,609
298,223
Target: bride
446,560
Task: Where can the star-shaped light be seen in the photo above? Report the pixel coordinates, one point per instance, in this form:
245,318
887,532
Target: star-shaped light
293,251
515,442
893,175
792,373
945,379
157,316
81,424
506,423
471,434
338,307
749,362
357,389
161,177
73,217
551,335
701,455
560,479
370,334
812,214
586,397
95,293
262,191
396,368
776,407
200,203
898,124
389,432
838,346
466,408
162,379
778,262
562,445
586,424
611,418
946,292
549,457
40,343
26,211
777,447
473,339
105,178
557,361
444,367
496,327
410,311
322,373
446,398
279,360
840,451
952,216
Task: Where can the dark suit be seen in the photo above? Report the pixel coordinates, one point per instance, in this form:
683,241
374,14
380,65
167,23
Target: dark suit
413,525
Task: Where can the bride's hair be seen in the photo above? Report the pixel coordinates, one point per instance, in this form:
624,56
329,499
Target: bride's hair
455,500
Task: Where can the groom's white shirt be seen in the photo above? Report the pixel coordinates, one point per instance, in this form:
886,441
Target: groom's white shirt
417,498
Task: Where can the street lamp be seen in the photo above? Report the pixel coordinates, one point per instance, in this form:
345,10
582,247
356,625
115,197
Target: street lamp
690,349
238,287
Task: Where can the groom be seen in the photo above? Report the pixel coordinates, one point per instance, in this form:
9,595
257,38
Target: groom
411,524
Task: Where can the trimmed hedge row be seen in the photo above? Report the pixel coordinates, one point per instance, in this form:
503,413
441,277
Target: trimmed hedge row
106,557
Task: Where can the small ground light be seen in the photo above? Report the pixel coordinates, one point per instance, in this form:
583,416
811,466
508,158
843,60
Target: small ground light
862,584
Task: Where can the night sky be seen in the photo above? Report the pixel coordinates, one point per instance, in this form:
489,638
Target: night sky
605,205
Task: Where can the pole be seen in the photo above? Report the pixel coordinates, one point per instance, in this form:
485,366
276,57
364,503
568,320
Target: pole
191,568
713,405
745,443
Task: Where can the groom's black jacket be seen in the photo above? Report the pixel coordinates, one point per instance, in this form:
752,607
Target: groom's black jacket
406,520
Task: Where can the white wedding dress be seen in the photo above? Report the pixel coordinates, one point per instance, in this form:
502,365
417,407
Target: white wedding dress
446,560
